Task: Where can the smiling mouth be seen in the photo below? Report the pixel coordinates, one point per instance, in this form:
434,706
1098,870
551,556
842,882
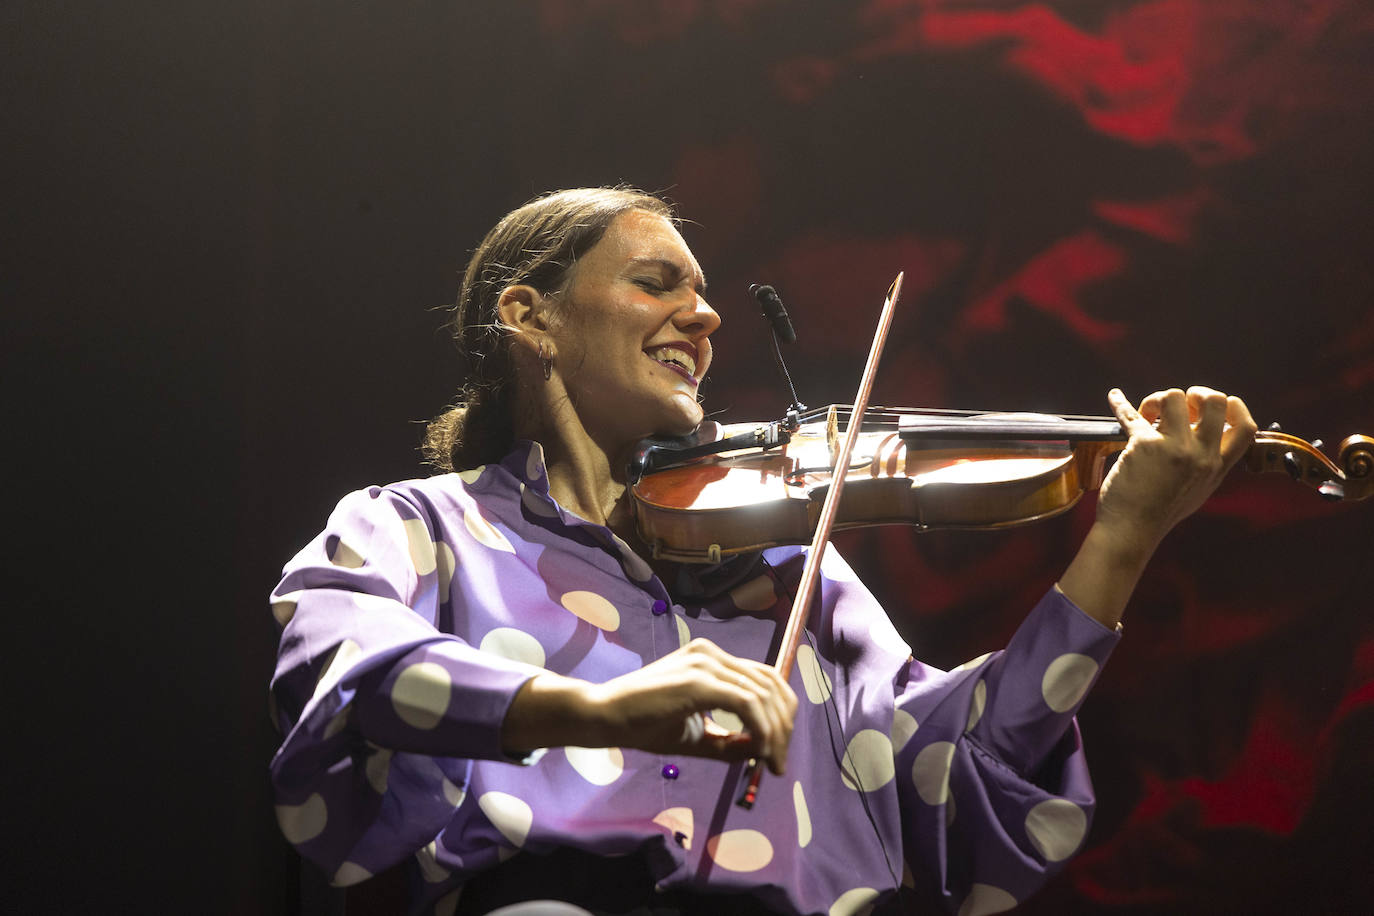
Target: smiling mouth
677,359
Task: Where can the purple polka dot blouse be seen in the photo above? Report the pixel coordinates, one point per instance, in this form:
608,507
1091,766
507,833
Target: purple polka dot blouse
411,621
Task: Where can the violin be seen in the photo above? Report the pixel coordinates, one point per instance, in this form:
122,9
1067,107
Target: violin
795,481
932,469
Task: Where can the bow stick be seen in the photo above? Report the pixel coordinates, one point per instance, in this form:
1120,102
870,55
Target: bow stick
796,622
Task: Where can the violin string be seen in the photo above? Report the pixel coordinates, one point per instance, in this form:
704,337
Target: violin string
840,756
889,414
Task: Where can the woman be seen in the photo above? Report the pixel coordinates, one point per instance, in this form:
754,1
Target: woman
440,633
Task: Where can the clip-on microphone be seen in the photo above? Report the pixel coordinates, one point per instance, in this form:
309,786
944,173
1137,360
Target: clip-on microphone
781,326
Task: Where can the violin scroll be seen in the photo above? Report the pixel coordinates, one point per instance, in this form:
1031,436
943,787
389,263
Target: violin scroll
1349,476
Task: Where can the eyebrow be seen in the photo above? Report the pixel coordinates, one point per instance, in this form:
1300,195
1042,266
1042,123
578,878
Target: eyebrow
675,268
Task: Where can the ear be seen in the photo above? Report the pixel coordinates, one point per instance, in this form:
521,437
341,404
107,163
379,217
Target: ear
523,311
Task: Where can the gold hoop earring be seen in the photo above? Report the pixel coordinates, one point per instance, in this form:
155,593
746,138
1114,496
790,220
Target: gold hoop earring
546,358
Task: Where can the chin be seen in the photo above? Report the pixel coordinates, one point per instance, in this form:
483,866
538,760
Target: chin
680,425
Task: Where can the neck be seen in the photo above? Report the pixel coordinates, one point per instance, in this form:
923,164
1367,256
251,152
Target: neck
586,470
584,478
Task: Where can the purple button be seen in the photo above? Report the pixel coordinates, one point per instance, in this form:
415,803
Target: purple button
669,771
660,607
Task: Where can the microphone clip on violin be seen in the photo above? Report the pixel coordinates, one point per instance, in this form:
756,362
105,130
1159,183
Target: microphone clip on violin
782,332
660,454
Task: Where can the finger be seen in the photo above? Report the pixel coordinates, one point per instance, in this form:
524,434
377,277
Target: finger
761,698
780,704
1239,435
1209,407
1131,420
775,730
732,690
1172,406
774,723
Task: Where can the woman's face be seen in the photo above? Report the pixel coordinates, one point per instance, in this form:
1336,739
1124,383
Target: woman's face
631,332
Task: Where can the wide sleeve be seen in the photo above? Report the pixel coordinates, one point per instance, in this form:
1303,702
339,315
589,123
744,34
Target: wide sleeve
381,712
996,794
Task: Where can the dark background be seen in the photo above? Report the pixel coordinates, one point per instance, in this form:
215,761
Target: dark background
229,226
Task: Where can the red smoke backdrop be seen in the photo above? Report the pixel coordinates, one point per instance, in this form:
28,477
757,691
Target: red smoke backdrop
1143,194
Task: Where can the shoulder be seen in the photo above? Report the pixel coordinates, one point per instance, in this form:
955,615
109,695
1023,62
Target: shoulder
455,492
429,502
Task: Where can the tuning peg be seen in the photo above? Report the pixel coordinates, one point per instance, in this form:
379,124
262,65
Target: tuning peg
1275,427
1332,490
1291,465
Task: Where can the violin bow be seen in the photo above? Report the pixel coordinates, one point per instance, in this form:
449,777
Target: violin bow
796,621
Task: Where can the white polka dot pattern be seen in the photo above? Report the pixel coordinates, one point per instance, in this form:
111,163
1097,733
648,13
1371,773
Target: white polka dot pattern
378,766
974,662
483,532
338,723
345,556
1066,680
472,475
516,645
976,704
302,823
755,595
561,586
445,563
930,772
903,727
1056,827
421,547
678,820
536,503
284,608
600,766
508,814
428,860
350,873
856,902
453,794
727,720
814,679
984,900
740,850
421,694
592,608
868,763
803,815
339,664
447,905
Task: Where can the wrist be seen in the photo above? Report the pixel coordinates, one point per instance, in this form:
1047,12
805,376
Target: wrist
1122,546
550,710
1105,571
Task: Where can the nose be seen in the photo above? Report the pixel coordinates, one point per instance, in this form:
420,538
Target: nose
697,320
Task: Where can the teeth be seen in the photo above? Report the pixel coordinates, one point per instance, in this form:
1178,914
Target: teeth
675,357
